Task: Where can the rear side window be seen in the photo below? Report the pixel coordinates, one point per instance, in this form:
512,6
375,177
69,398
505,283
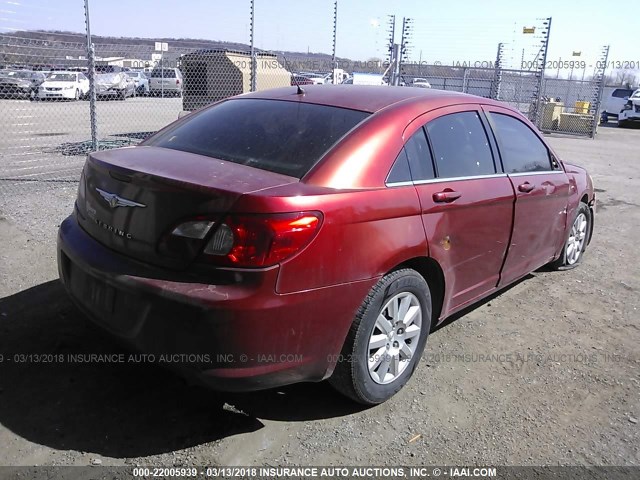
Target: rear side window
621,93
279,136
460,146
414,161
400,171
419,155
521,149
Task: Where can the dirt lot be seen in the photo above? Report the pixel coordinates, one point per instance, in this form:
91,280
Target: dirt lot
562,387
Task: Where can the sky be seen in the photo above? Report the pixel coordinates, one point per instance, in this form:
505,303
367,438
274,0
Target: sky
445,32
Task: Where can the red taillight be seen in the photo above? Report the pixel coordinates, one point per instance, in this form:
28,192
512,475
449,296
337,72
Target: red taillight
177,81
261,240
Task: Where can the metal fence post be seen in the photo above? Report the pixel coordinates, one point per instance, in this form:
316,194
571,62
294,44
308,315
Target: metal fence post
396,65
601,68
545,47
497,74
92,84
335,29
253,53
465,80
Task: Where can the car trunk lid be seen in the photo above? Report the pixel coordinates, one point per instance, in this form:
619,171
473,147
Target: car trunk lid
133,197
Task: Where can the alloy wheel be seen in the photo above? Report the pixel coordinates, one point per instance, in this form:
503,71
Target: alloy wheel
394,338
577,237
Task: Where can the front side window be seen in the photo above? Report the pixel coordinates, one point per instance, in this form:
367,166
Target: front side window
279,136
460,146
520,148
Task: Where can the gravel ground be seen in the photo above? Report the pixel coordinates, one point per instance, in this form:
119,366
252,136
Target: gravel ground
547,372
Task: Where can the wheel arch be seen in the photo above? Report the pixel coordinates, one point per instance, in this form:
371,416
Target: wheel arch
591,205
432,273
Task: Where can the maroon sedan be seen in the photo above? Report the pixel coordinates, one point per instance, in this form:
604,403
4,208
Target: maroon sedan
280,237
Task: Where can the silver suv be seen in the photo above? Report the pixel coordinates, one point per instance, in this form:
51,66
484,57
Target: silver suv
166,82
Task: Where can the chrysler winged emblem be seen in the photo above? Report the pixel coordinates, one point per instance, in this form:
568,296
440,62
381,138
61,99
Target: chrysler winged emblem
115,201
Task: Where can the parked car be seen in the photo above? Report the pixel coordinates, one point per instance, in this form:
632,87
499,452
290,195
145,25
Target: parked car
114,85
140,81
64,85
630,111
108,69
317,78
20,84
365,79
614,103
276,237
166,82
300,80
420,83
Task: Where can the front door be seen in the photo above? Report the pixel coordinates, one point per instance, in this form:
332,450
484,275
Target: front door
542,190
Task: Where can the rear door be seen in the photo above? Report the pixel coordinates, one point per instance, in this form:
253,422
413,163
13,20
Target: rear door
466,202
541,188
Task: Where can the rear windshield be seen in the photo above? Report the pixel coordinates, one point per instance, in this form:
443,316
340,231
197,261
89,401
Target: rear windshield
166,73
622,93
279,136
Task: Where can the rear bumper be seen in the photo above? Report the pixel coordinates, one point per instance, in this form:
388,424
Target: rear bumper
239,336
68,94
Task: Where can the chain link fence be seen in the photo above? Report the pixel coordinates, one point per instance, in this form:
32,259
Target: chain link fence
51,121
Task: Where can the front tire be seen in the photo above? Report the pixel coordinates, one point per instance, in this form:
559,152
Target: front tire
386,339
577,241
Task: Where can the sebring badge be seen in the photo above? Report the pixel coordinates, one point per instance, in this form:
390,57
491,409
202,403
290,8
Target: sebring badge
115,201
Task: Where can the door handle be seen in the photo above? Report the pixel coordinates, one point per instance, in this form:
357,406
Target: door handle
446,196
526,187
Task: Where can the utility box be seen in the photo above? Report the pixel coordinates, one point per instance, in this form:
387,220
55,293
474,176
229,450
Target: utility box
551,115
212,75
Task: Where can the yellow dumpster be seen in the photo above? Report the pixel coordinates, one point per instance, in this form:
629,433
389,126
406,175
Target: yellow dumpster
582,107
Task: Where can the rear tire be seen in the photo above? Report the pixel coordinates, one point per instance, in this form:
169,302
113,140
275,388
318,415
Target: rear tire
386,339
577,240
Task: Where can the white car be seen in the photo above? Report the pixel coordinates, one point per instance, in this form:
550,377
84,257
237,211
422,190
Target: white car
614,103
141,82
317,78
420,83
64,86
630,111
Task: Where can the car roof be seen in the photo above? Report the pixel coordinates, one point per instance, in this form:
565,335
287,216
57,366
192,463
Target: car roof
367,98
